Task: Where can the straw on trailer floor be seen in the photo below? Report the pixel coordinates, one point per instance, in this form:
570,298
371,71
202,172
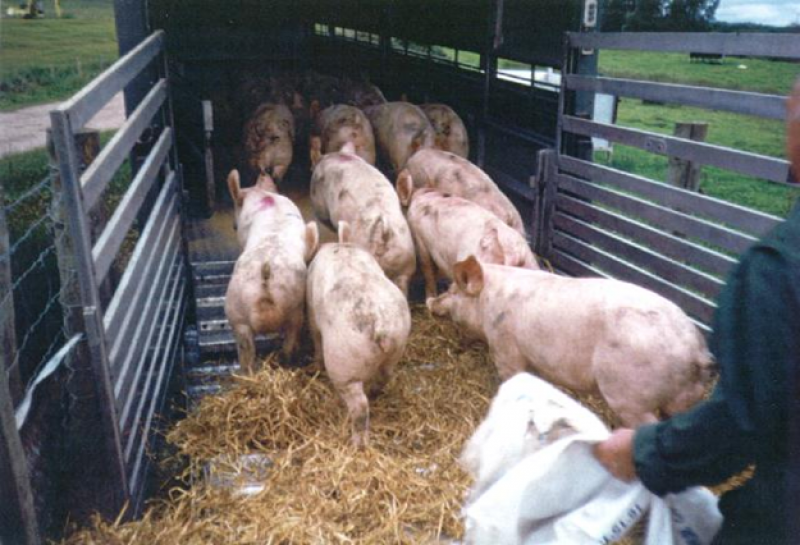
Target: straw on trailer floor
405,487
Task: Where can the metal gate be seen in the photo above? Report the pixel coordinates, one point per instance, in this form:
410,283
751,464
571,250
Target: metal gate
596,220
133,325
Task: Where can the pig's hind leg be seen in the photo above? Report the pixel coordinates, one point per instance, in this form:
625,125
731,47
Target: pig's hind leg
292,329
428,268
245,348
357,410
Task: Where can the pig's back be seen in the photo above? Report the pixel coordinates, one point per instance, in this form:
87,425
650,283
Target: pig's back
352,294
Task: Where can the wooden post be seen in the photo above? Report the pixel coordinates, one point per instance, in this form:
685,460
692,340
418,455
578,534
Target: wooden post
8,333
86,491
682,173
17,515
18,522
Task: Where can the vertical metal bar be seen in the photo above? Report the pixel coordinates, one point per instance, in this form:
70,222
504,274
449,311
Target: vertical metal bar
566,69
549,191
117,487
18,522
489,61
8,333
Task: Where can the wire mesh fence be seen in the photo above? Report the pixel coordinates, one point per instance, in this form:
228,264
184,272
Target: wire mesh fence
35,285
33,326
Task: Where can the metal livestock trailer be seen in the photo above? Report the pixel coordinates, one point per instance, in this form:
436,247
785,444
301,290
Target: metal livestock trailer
159,320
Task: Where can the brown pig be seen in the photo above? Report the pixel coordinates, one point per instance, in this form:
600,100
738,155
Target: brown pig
639,350
400,130
344,187
452,174
268,140
448,229
336,126
450,132
267,289
359,322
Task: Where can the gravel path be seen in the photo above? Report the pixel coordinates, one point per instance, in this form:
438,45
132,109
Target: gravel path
24,129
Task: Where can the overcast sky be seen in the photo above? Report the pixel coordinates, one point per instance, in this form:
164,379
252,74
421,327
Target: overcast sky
768,12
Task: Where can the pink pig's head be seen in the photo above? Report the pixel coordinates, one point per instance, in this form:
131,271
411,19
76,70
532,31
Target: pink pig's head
462,301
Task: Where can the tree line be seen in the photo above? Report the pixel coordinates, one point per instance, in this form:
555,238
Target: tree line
659,15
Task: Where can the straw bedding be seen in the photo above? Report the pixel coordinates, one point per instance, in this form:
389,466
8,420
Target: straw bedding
405,487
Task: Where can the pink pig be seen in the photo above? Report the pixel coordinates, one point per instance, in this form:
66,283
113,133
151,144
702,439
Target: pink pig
338,125
267,289
450,132
359,323
344,187
452,174
269,140
639,350
448,229
400,130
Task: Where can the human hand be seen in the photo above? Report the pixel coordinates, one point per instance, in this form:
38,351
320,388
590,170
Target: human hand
616,454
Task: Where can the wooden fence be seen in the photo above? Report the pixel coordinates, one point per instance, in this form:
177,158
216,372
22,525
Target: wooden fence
596,220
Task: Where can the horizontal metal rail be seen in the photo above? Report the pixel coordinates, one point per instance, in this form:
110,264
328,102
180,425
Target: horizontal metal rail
674,271
695,305
150,241
751,164
522,134
732,215
107,246
662,216
102,169
741,102
513,185
665,243
82,106
783,46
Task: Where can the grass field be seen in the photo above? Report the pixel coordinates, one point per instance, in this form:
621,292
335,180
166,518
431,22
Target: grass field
756,135
47,59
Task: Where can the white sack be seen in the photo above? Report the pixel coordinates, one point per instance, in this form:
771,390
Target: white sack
532,489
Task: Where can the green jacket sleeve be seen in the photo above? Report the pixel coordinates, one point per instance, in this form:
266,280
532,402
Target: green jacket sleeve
753,343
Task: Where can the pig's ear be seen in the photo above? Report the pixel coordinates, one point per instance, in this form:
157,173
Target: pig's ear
315,150
312,240
793,129
405,186
344,232
235,188
468,274
491,249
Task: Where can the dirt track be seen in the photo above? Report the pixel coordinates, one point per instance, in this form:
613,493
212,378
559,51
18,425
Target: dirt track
25,129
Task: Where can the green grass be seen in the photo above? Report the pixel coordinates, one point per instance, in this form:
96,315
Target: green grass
48,59
760,75
752,134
